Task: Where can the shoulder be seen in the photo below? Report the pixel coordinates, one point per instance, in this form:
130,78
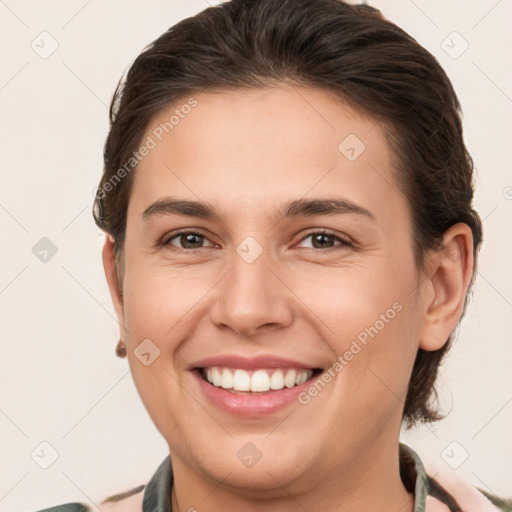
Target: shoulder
465,494
130,501
155,495
438,489
500,503
67,507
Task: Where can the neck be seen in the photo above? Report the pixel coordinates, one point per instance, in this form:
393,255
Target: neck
371,482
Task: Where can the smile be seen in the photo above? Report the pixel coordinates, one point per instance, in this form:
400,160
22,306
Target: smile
262,380
252,385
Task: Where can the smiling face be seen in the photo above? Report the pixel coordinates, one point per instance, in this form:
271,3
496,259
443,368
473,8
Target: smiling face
298,263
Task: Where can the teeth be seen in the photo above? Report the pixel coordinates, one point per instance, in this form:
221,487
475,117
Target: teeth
227,379
216,377
289,380
241,381
301,377
258,381
277,380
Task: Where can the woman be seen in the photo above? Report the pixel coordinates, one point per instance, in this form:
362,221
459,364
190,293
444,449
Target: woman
287,199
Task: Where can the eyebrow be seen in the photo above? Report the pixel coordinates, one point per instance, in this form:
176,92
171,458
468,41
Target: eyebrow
297,208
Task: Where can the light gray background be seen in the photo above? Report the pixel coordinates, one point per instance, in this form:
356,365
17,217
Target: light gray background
60,381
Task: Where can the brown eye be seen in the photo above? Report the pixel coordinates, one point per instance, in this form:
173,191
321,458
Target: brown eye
325,240
187,240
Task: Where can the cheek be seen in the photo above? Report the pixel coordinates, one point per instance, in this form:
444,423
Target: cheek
161,305
156,306
369,318
158,300
358,301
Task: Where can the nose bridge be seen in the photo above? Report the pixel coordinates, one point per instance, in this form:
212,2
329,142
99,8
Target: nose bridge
250,296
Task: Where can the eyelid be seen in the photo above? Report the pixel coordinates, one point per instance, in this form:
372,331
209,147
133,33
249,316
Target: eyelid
344,242
185,231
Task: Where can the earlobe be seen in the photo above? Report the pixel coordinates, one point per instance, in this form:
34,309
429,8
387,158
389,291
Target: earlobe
109,266
451,269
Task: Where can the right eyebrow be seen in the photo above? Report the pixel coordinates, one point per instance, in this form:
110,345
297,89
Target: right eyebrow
170,206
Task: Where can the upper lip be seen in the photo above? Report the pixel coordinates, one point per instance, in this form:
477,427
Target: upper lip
250,362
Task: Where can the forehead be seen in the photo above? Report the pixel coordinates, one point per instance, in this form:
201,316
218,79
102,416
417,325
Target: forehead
254,147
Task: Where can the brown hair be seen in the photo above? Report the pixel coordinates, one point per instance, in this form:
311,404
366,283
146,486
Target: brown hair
350,50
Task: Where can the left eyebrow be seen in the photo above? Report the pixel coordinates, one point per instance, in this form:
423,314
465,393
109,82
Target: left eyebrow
297,208
312,207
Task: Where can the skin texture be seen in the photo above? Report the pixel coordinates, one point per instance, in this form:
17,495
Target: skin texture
247,153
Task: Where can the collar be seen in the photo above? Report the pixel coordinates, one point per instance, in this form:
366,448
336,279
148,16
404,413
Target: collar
157,494
412,469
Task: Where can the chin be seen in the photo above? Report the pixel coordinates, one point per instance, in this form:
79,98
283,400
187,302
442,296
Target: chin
253,463
268,476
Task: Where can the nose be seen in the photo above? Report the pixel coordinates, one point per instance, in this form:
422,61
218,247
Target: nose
252,298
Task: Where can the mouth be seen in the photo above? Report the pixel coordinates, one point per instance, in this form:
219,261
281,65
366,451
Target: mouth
251,386
254,393
256,381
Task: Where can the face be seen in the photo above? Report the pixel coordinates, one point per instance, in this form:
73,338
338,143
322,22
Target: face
297,264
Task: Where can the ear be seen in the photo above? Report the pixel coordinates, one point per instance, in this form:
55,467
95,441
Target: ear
109,266
449,274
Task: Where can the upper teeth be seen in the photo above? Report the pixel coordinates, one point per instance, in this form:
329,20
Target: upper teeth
259,380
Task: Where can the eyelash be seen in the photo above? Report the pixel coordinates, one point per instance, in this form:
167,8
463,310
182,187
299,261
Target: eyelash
343,243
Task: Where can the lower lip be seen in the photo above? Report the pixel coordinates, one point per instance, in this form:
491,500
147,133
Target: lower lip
260,404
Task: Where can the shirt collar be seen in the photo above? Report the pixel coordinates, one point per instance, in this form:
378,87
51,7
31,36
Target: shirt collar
411,462
157,494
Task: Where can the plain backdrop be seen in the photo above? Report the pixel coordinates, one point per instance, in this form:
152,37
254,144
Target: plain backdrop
61,383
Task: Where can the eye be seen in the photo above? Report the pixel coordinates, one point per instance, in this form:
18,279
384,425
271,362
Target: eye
189,240
325,240
193,240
